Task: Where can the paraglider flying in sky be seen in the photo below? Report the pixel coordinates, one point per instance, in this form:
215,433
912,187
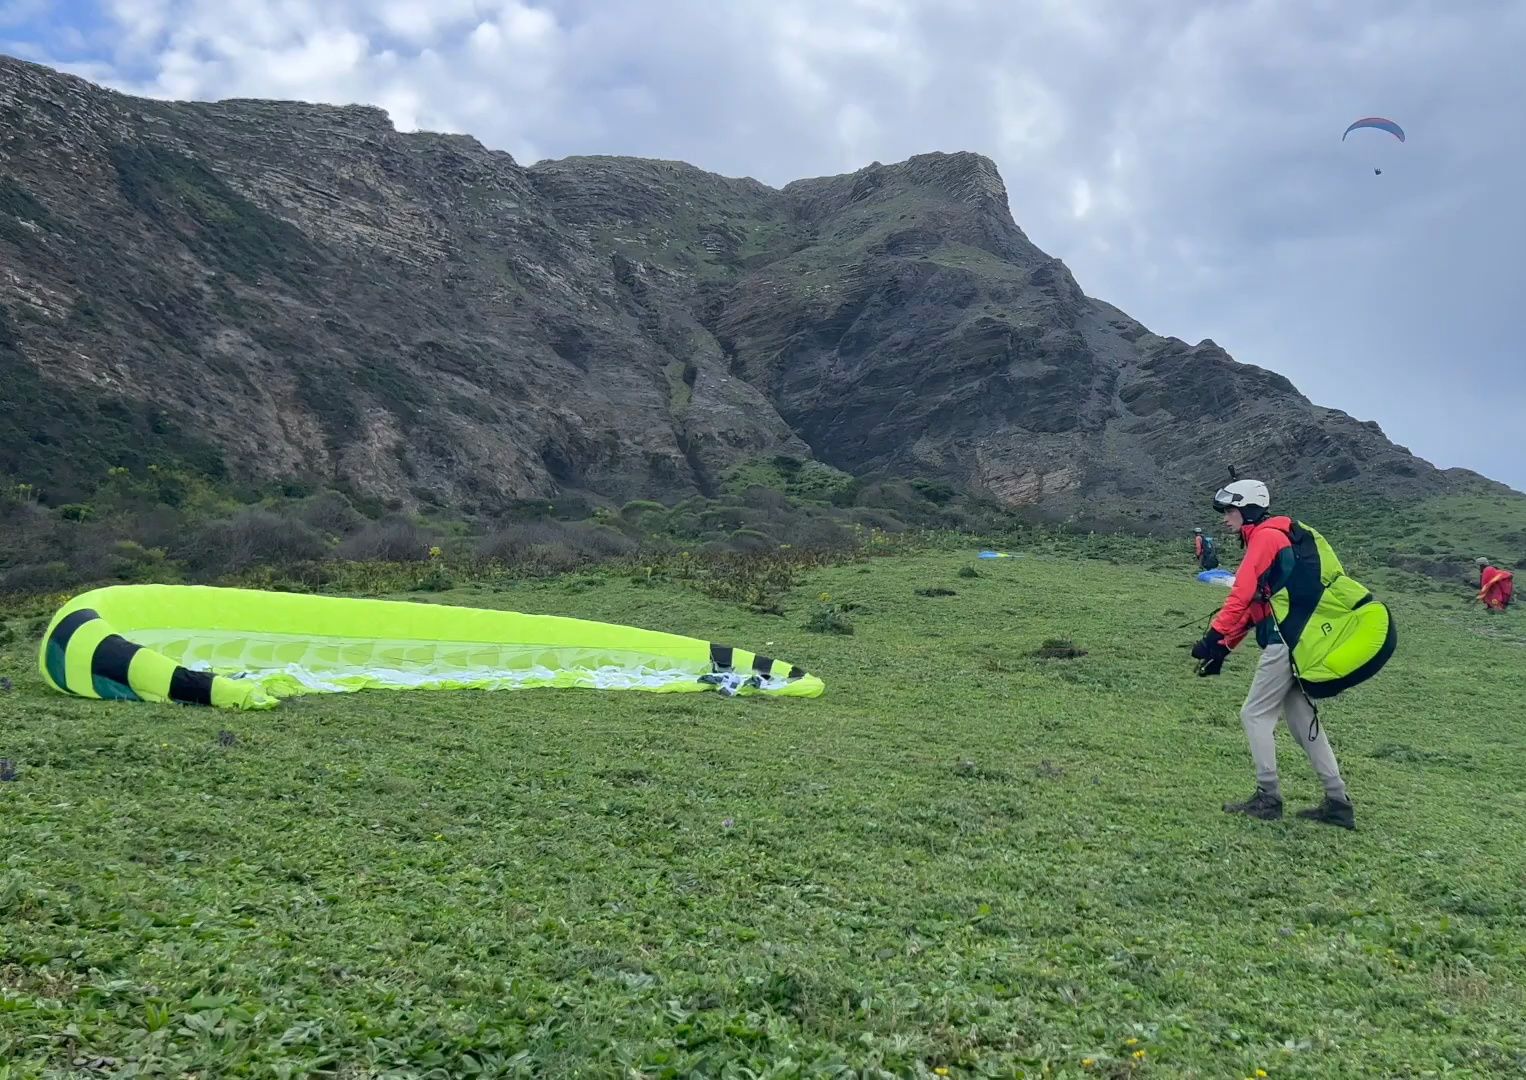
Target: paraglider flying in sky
1377,123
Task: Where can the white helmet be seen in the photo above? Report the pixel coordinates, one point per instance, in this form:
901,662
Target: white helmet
1242,493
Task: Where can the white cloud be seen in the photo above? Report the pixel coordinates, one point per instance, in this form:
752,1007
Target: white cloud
857,131
323,58
20,12
139,23
421,23
1080,198
486,38
527,26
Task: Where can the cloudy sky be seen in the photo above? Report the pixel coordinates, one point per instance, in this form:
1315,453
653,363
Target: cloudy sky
1184,157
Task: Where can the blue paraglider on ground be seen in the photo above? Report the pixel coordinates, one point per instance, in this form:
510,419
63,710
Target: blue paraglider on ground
1217,577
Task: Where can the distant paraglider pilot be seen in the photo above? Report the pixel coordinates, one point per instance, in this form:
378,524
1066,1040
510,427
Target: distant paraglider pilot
1496,587
1204,549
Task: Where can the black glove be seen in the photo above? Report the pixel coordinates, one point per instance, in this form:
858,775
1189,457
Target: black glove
1211,651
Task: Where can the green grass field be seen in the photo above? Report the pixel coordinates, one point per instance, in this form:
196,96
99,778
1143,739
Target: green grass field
963,860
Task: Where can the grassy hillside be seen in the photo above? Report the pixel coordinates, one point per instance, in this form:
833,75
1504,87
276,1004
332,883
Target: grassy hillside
965,859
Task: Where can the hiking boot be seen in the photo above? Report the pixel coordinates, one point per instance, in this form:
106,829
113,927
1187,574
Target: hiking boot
1331,812
1263,804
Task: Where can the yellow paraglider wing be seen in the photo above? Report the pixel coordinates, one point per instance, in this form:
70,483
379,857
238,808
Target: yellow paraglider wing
247,649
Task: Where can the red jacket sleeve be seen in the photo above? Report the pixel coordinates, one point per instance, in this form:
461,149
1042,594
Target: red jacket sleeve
1242,609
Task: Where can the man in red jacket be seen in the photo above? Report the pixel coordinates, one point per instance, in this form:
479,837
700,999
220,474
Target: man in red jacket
1270,565
1495,586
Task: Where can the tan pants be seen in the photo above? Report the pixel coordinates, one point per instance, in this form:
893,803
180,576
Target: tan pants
1275,692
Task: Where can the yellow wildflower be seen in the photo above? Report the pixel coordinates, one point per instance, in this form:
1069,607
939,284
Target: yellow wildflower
1087,1063
1130,1042
1139,1055
941,1070
435,553
1261,1073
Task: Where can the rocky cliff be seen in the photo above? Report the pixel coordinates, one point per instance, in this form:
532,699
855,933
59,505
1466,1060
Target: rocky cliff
265,289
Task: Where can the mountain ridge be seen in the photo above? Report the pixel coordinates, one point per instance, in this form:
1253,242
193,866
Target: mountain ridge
258,289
